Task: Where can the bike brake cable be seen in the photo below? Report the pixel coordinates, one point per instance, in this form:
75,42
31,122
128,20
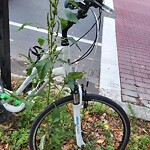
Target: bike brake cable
88,52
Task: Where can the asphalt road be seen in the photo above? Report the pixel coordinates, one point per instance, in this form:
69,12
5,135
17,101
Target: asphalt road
31,11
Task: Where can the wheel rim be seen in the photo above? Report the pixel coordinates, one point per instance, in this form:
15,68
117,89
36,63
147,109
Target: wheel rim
101,128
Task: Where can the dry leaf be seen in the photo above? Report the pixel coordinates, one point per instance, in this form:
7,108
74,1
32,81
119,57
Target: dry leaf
144,131
100,141
7,147
86,114
148,147
66,147
70,106
106,127
71,141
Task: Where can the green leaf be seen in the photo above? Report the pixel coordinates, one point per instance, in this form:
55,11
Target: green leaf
22,27
62,61
75,75
29,69
71,77
110,148
64,23
71,85
74,42
42,142
41,41
56,120
28,58
43,67
28,104
71,16
73,3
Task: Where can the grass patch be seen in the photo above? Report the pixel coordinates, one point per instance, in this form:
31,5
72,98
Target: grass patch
14,135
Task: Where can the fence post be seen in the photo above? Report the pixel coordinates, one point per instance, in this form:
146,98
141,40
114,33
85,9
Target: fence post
5,44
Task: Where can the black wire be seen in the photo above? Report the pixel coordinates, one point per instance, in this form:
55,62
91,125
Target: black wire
100,12
93,45
86,32
88,52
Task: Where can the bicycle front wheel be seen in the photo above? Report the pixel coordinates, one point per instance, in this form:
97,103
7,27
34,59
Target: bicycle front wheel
105,125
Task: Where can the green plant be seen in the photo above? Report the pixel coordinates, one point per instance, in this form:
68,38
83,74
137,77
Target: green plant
139,142
59,128
131,110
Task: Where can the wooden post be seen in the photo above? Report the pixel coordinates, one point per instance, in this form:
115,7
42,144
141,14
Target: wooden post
5,44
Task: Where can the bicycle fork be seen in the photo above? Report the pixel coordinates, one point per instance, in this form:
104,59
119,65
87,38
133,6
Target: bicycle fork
77,105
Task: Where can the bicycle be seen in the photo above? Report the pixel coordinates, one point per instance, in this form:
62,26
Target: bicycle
99,122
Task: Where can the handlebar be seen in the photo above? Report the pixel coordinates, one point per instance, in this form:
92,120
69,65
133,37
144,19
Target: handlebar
82,9
103,7
71,4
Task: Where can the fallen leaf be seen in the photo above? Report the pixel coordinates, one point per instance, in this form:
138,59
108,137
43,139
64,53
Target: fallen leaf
66,147
148,147
144,131
70,106
71,141
86,114
106,127
100,141
7,147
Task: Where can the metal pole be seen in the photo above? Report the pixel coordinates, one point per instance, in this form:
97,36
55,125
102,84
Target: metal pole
5,44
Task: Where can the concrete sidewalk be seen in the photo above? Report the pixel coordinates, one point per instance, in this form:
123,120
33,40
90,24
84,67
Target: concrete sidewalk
132,38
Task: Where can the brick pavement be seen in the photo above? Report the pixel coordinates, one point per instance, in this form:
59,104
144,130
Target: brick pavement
133,44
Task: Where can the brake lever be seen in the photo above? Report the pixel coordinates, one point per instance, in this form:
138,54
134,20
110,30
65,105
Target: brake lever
104,7
109,12
107,9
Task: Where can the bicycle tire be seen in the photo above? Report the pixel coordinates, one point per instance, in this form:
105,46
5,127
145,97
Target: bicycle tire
101,114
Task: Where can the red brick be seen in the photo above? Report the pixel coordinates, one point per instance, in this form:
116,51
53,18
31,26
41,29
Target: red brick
125,66
148,67
137,65
139,79
147,91
146,80
129,93
130,72
124,80
145,71
141,90
126,98
142,84
124,59
139,74
128,86
136,69
144,96
123,53
127,76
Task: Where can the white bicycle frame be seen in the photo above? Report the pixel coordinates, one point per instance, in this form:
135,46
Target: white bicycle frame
60,71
